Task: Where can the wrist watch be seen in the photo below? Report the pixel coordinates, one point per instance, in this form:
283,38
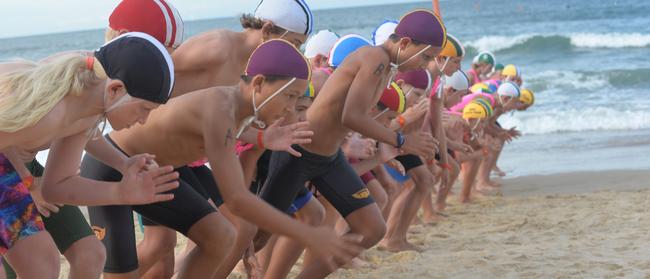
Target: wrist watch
400,140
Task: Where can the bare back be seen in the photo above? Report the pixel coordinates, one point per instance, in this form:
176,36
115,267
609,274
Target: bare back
325,114
210,59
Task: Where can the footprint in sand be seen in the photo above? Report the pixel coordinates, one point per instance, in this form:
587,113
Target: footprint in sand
403,257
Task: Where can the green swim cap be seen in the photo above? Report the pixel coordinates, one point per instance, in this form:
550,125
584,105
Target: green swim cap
498,67
486,57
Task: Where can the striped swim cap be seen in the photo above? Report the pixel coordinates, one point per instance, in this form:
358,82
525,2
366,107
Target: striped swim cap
158,18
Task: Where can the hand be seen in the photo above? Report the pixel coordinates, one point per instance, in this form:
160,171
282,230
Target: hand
43,207
466,148
281,138
514,133
337,251
149,159
387,152
359,148
416,111
420,143
140,186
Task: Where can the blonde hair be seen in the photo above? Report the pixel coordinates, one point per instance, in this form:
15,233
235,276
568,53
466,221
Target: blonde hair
111,34
27,95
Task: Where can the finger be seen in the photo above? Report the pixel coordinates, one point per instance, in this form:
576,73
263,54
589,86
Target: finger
166,187
165,178
138,164
163,197
300,125
294,152
303,134
43,211
160,171
50,207
300,141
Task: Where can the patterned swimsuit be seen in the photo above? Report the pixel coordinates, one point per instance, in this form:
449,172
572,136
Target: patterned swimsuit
18,215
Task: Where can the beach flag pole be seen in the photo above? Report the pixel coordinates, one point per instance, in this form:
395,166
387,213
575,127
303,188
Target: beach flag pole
436,7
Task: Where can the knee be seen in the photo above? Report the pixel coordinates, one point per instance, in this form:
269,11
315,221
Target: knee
312,214
246,230
372,233
160,239
219,238
423,181
87,253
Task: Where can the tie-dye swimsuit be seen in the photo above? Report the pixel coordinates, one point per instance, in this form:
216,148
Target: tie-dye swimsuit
18,215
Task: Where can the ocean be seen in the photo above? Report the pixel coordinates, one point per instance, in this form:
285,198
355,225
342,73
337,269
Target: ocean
587,61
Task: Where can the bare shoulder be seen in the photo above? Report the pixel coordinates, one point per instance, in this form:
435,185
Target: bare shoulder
372,55
206,48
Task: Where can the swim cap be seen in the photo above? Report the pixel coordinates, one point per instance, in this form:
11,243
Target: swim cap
320,43
457,81
310,92
492,85
278,58
157,18
393,98
510,70
418,78
453,48
509,89
498,67
344,46
486,57
480,88
383,32
474,110
487,106
527,96
422,26
292,15
142,63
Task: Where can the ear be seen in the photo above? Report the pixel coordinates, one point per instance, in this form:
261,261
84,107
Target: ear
266,30
115,88
257,82
122,31
404,42
400,82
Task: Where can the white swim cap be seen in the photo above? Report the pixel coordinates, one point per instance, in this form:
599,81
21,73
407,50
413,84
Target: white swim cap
320,43
292,15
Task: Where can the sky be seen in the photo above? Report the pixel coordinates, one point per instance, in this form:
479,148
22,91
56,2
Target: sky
31,17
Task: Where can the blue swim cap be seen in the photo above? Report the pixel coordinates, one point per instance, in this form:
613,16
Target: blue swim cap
344,46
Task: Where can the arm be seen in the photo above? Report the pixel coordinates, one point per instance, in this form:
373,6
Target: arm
248,160
107,153
63,184
220,148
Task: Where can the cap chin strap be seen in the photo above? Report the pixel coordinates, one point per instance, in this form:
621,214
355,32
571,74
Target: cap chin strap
440,69
94,133
395,66
253,118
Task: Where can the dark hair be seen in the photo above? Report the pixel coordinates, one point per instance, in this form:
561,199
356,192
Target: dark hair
269,78
395,38
249,21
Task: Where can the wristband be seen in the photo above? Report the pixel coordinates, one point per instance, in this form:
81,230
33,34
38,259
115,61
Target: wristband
400,140
402,121
28,181
260,139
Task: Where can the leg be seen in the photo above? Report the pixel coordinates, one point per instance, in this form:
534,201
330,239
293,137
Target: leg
34,256
157,245
164,268
378,193
405,209
86,257
214,236
287,251
366,221
441,198
469,171
245,233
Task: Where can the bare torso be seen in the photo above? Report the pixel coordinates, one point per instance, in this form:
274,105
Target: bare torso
325,114
174,133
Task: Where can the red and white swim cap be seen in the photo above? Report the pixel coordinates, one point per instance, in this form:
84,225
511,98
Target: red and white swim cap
158,18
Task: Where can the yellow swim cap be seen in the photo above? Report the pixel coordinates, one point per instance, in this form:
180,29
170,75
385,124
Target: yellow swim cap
510,70
527,96
474,110
453,48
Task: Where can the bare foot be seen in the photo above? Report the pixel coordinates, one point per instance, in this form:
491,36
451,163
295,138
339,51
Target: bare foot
397,246
251,265
416,221
440,207
432,219
498,171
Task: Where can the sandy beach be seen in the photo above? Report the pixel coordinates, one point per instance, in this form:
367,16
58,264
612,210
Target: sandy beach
585,225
